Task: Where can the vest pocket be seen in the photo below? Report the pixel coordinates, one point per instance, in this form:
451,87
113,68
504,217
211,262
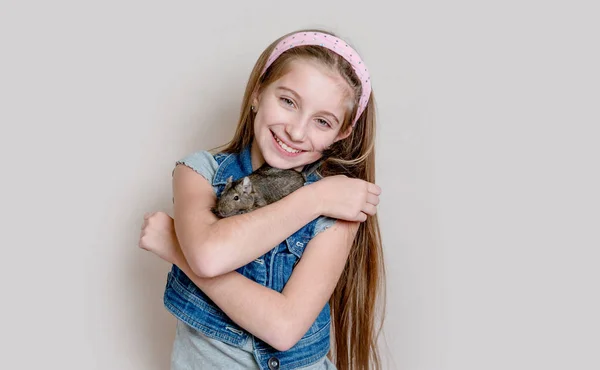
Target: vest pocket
323,321
200,313
195,299
283,267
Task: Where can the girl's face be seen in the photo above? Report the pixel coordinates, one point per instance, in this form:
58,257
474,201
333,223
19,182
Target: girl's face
298,116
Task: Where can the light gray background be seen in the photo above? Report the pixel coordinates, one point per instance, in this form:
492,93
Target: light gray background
487,156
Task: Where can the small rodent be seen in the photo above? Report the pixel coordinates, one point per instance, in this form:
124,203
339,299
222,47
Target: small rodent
263,186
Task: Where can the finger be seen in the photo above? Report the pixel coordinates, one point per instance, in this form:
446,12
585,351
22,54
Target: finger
142,233
146,215
373,199
362,217
374,189
369,209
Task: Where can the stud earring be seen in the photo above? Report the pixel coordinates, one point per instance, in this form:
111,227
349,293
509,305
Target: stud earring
253,108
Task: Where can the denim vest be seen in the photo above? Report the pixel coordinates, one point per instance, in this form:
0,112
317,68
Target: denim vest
273,269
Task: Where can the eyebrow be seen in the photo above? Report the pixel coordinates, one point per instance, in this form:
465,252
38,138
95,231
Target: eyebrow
300,100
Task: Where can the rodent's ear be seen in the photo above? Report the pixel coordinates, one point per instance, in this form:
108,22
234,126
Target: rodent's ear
246,185
228,185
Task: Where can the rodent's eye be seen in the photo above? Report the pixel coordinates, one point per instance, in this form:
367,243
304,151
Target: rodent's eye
236,198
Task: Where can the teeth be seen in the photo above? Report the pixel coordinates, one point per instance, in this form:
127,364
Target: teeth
287,148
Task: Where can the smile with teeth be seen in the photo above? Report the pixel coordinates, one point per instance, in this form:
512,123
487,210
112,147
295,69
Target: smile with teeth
285,147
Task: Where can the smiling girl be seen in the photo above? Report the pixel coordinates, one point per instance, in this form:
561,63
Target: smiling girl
267,289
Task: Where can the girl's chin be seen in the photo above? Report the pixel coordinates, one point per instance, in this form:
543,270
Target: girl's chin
285,163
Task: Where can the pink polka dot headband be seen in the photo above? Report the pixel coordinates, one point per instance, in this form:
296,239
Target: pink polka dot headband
336,45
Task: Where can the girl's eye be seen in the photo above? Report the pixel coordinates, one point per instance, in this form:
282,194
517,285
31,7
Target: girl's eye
322,122
288,101
236,198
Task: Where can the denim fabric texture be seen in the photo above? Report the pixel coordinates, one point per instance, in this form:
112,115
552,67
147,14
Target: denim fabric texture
273,269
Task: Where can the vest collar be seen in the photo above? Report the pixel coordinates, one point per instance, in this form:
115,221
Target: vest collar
236,165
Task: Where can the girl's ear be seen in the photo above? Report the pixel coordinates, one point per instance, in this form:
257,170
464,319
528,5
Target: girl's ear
255,98
343,134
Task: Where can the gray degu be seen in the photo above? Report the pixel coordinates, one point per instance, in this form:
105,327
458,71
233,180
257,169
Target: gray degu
263,186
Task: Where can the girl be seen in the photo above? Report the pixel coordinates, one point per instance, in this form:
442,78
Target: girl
264,290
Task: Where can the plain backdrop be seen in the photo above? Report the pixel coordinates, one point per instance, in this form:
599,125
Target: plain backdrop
487,154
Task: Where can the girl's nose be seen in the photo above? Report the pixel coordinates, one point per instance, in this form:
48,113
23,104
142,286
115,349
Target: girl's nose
296,130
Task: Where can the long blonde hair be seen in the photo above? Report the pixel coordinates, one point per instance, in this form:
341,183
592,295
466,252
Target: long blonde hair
353,303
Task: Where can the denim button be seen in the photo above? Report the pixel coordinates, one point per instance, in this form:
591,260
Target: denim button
273,363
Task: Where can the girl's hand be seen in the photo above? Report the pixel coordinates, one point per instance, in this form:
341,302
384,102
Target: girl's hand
346,198
158,236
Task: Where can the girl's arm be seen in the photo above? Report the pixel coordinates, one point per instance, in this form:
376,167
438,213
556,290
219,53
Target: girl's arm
279,319
214,246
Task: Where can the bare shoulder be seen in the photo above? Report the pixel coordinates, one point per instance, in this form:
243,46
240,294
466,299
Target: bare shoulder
191,187
193,175
193,200
187,181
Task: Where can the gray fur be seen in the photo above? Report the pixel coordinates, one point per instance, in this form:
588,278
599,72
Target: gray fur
264,186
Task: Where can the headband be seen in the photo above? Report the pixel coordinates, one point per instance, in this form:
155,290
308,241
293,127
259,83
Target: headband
336,45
